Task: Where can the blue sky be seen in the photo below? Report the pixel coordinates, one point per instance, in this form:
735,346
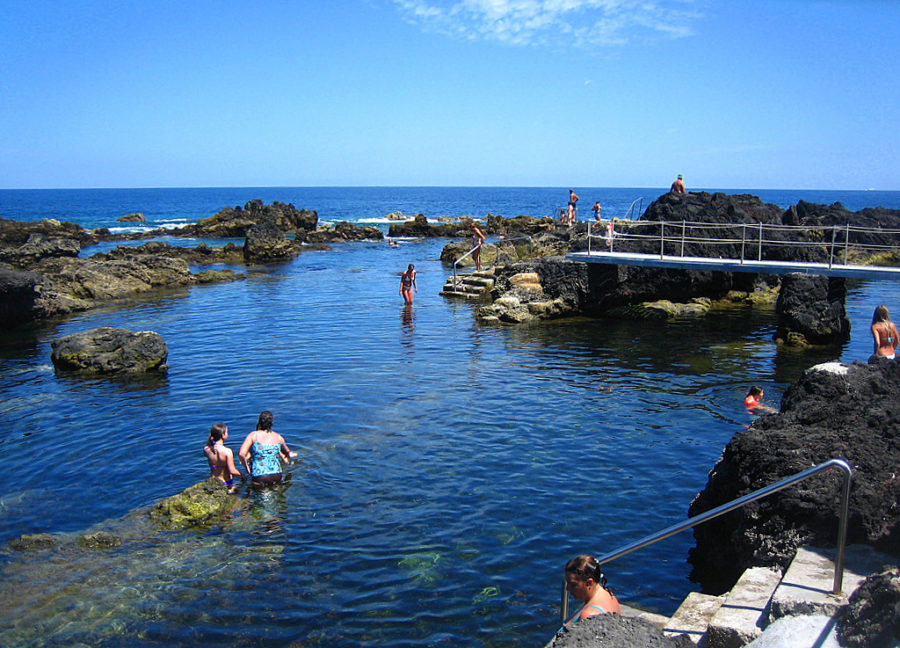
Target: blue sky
794,94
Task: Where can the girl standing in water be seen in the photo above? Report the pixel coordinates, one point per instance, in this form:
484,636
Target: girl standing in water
408,284
221,458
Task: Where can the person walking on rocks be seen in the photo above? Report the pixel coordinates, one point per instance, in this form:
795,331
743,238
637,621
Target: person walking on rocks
884,333
408,284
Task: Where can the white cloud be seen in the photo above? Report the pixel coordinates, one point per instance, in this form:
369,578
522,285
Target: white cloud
538,22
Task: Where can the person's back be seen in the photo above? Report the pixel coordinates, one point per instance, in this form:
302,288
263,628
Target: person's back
884,333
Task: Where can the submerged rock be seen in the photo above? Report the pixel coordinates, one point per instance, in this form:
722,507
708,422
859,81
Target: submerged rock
100,540
110,350
32,541
199,505
833,411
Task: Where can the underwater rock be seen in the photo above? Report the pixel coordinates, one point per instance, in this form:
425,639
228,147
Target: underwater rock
110,350
31,541
834,410
872,617
202,504
100,540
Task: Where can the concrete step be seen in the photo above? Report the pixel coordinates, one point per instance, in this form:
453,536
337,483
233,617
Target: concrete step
469,286
693,616
745,611
656,619
807,584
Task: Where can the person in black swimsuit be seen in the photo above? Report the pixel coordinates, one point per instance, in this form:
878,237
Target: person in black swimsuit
408,284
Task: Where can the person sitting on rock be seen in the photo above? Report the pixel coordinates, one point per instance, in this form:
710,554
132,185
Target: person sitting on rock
268,449
221,458
884,332
678,185
585,582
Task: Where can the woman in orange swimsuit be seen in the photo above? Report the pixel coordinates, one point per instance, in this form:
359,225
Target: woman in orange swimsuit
585,582
885,333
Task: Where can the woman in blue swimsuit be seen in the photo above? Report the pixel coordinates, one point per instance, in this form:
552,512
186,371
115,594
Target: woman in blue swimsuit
266,447
585,582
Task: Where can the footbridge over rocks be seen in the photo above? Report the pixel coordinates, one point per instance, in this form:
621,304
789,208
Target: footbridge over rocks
833,251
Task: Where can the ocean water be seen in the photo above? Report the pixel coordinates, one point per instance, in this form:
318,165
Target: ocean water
447,470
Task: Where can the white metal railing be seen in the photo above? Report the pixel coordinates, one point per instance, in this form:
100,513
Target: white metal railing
737,503
753,237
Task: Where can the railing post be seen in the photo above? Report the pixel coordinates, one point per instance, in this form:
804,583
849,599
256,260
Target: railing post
759,255
589,226
847,246
682,237
564,604
842,530
743,239
831,253
662,239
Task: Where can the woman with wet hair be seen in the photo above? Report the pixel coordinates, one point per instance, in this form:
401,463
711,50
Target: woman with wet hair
586,582
884,331
267,448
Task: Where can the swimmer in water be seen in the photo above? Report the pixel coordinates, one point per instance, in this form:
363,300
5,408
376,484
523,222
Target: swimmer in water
753,400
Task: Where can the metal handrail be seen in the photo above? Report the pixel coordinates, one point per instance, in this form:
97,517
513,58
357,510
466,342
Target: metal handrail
631,209
745,241
737,503
455,263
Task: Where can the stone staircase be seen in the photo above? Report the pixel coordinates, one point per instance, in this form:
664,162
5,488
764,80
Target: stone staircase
473,285
762,595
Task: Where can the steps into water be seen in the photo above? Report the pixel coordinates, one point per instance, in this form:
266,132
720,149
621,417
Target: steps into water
762,595
474,285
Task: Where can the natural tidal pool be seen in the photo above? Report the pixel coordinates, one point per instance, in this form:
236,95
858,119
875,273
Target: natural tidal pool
446,472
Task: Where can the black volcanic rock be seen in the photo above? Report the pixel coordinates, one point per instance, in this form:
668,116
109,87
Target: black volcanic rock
833,411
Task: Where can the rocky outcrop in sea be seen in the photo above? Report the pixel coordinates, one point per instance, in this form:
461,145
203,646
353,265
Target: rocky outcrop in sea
108,350
835,410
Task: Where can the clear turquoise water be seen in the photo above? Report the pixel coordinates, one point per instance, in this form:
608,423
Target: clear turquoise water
447,470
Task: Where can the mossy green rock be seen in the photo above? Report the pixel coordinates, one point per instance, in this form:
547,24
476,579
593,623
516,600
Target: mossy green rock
199,505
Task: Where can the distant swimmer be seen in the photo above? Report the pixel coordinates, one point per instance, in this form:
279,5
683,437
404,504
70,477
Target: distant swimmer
678,185
884,333
753,400
408,284
392,243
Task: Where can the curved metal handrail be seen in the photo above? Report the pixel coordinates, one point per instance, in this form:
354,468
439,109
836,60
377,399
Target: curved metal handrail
456,263
737,503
